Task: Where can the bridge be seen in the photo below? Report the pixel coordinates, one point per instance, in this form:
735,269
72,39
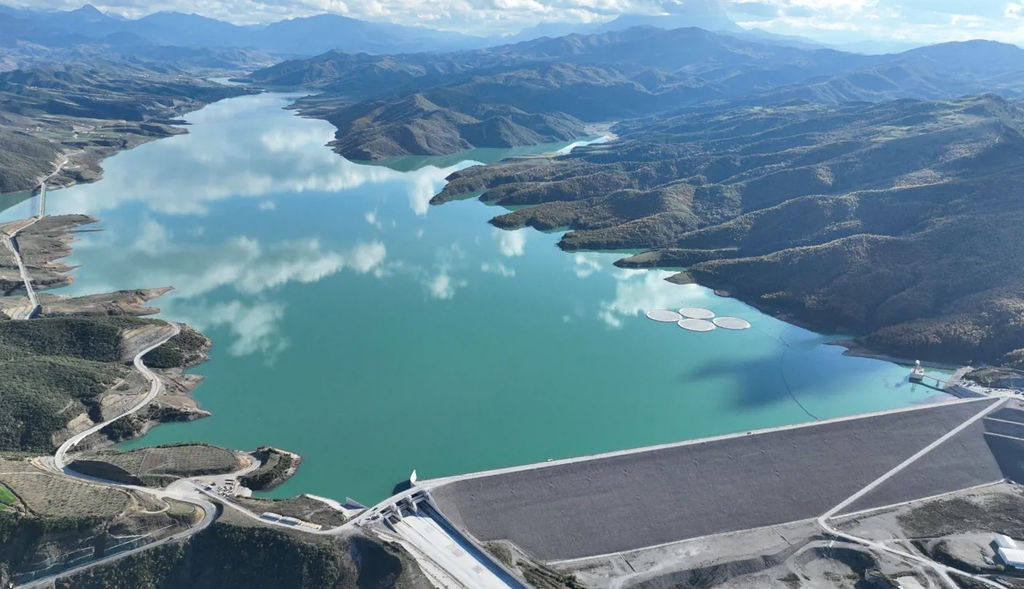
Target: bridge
954,385
10,236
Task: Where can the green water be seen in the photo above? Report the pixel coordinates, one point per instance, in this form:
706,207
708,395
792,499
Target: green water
373,334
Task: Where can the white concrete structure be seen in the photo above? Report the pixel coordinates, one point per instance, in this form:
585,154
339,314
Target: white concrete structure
697,325
917,372
1013,557
732,323
663,316
696,313
1004,541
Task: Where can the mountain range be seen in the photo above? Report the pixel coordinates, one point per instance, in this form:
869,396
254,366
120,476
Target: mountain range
385,106
298,36
311,35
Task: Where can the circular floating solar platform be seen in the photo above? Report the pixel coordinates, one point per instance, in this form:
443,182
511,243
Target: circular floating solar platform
696,325
732,323
664,316
696,313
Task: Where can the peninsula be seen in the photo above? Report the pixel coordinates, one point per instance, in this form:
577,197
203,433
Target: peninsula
81,373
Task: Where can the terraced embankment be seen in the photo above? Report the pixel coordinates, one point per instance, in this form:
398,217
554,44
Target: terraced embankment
635,499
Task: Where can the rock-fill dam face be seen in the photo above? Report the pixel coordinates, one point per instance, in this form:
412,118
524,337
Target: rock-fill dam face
635,499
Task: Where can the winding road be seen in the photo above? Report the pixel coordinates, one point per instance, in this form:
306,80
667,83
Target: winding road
155,387
10,239
451,564
177,492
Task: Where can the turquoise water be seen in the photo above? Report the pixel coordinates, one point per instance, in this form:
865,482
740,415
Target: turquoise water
373,334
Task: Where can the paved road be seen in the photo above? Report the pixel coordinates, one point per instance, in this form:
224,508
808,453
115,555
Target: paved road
942,570
13,245
9,240
155,386
184,494
209,515
42,183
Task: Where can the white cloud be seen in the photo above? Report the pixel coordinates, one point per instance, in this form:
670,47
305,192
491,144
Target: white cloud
443,286
153,237
907,22
499,269
266,205
643,290
826,20
290,140
585,264
246,266
371,218
510,243
241,267
255,326
290,157
366,257
427,181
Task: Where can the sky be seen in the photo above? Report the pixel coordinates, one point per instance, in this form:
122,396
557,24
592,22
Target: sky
830,21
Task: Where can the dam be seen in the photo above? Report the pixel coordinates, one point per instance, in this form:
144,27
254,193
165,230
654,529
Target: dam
623,501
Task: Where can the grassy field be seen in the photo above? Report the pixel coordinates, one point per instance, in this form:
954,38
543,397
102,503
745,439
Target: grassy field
6,497
47,494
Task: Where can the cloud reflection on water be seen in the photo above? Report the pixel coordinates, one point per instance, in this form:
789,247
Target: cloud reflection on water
639,291
239,264
510,243
235,158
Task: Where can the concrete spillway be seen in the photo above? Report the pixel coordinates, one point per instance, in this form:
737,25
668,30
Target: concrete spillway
631,500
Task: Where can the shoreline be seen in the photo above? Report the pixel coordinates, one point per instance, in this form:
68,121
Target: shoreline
787,319
83,165
856,350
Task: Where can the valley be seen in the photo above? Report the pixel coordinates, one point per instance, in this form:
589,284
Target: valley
633,304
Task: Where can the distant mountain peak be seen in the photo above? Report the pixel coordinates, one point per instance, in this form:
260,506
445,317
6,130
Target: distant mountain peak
88,10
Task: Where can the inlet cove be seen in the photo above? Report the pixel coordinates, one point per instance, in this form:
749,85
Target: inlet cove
373,334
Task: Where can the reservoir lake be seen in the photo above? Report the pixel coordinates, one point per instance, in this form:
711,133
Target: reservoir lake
374,334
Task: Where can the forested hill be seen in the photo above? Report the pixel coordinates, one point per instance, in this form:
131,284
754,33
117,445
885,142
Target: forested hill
898,221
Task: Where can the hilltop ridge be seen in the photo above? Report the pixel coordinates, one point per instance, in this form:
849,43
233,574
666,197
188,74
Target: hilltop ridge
614,75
